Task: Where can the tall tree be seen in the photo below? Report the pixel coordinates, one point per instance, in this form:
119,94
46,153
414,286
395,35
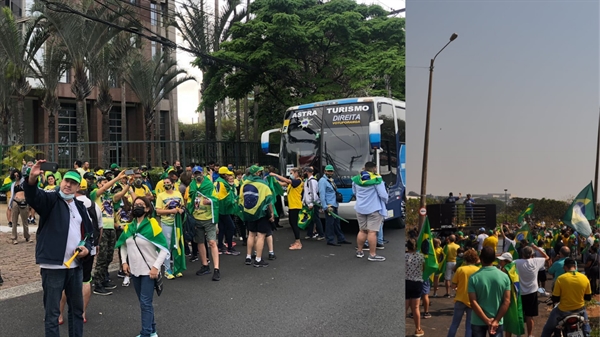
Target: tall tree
204,33
151,81
84,40
19,45
5,91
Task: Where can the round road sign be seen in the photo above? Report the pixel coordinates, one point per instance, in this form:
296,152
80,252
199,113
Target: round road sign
423,211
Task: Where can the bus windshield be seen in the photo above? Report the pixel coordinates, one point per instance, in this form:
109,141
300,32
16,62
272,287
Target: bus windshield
300,142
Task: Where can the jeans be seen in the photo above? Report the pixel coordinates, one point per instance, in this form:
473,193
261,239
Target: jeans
144,288
459,309
482,330
54,281
227,230
332,228
315,220
167,232
557,315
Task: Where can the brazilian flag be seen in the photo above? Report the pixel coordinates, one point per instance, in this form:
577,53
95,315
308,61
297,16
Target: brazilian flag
276,189
513,252
148,230
304,217
442,264
255,197
527,211
524,233
7,183
177,245
425,246
513,319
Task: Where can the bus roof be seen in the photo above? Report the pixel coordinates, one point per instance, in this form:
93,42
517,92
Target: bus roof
342,101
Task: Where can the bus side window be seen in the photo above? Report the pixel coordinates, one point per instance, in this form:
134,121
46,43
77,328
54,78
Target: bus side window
388,161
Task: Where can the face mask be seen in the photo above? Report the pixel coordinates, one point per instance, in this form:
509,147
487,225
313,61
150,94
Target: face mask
137,183
168,187
460,255
138,211
305,175
66,196
199,179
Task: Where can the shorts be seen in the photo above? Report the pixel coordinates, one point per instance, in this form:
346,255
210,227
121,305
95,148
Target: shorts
205,227
371,222
413,289
86,266
542,276
262,225
530,304
426,288
449,271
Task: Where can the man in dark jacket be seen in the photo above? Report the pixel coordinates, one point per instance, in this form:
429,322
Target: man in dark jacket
65,228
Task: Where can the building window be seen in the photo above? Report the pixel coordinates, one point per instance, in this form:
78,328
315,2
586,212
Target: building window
65,77
163,123
67,135
153,49
153,14
116,135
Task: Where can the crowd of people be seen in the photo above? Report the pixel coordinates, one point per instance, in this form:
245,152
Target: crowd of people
497,285
85,214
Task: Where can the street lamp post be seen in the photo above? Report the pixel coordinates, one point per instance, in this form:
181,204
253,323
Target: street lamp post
426,143
506,205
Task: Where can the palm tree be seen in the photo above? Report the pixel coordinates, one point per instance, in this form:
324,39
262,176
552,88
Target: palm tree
205,35
84,40
5,91
151,81
18,45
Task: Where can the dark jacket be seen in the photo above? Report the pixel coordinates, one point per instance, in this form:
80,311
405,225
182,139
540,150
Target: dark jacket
53,229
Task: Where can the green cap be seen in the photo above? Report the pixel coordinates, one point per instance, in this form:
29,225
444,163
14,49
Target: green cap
255,168
73,176
491,232
329,168
460,233
114,166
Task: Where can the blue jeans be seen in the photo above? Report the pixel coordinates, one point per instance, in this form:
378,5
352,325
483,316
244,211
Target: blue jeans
459,309
315,220
54,281
482,330
557,315
144,288
332,228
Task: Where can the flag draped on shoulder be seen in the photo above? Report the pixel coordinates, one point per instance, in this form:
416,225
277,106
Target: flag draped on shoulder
255,197
276,190
581,210
513,319
148,230
425,246
527,211
205,190
367,179
177,245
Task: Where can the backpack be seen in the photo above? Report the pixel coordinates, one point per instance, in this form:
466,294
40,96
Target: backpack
189,226
95,224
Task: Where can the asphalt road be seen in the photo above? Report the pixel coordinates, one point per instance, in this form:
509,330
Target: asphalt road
318,291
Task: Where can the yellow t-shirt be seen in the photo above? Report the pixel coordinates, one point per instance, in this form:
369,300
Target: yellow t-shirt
571,286
142,191
50,188
439,254
461,279
201,211
169,201
294,194
452,252
491,241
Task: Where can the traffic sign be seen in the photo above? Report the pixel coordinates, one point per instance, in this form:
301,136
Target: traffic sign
423,211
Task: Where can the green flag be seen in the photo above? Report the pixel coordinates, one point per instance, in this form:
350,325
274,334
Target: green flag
442,264
255,197
513,251
305,217
514,321
524,233
177,246
425,246
580,211
148,230
277,191
527,211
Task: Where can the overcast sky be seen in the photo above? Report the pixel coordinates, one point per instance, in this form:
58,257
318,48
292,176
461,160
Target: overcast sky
188,92
515,97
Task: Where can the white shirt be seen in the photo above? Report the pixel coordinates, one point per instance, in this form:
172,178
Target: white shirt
528,271
73,238
87,203
509,242
480,239
136,262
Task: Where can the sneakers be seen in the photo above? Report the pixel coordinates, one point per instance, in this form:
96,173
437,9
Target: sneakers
380,246
222,251
376,258
320,238
126,281
447,296
253,255
232,251
248,261
178,275
169,276
100,290
260,263
203,271
419,333
194,258
360,254
216,275
309,237
9,224
272,256
109,285
154,334
121,274
426,315
29,241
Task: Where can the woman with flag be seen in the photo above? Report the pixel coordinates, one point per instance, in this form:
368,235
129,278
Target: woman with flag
169,207
145,249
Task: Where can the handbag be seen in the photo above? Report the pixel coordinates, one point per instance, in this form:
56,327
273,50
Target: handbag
338,196
158,282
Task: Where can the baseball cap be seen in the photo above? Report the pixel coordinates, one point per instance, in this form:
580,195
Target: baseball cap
197,169
459,233
482,229
114,166
505,256
491,232
73,176
308,169
225,170
89,175
255,168
329,168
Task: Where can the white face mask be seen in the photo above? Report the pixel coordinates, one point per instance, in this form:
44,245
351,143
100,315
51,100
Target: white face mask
66,196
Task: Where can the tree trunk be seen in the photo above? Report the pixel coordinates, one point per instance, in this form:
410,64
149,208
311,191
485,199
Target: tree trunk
209,111
219,132
105,139
238,117
81,129
246,131
256,92
21,120
149,120
124,147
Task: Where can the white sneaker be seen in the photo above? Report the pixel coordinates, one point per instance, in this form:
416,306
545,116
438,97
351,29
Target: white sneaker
126,281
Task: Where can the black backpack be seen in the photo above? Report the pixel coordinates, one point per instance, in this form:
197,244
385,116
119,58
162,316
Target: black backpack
95,225
189,226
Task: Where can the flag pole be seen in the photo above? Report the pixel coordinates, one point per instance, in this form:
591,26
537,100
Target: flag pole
596,176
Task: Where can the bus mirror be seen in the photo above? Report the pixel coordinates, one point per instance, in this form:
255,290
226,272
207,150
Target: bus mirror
375,134
264,142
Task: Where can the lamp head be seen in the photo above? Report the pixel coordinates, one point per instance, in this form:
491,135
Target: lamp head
453,36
